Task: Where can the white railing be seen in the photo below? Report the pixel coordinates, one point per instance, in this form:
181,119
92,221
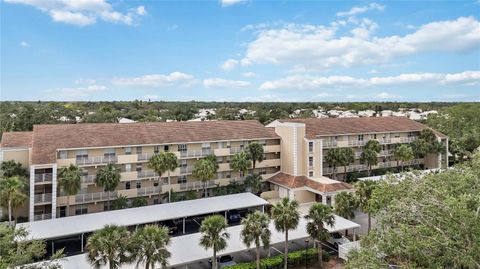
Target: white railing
186,170
357,167
146,174
385,153
197,185
327,170
149,191
407,139
385,141
96,160
237,180
42,216
88,179
46,177
329,144
195,153
93,197
236,150
42,198
357,143
145,156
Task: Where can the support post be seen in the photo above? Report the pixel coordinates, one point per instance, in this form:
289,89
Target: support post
53,248
184,228
225,214
81,248
354,234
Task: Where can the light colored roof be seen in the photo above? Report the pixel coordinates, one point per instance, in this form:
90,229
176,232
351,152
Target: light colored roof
62,227
322,184
336,126
185,249
47,139
16,140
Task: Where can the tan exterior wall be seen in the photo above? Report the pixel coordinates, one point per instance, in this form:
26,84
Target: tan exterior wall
293,148
304,196
18,155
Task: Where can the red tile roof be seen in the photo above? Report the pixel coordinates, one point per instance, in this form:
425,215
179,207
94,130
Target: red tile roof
293,182
16,140
337,126
47,139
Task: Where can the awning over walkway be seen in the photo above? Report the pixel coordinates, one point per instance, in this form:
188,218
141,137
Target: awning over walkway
74,225
186,249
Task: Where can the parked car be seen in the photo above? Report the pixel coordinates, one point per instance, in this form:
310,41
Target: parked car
223,261
234,216
337,239
171,225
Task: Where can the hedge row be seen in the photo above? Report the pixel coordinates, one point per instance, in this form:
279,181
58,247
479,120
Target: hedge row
276,262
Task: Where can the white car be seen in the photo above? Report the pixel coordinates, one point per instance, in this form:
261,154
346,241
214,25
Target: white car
337,239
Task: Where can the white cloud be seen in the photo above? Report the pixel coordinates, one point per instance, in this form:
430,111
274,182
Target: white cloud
226,3
24,44
324,95
150,97
82,13
249,74
308,82
229,64
358,10
155,80
76,92
85,81
224,83
172,27
320,47
386,95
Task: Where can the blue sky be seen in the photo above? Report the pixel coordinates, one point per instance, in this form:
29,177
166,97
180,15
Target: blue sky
234,50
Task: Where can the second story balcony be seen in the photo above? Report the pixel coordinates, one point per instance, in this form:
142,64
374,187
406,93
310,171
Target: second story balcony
88,179
94,197
195,153
44,198
43,178
146,174
96,160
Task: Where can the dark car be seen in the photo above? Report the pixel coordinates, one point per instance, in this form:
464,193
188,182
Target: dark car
223,261
234,216
171,225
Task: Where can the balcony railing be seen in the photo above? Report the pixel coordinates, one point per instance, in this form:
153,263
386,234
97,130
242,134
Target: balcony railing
186,170
385,153
236,150
197,185
42,178
88,179
145,156
146,174
195,153
42,198
96,160
42,216
385,140
93,197
407,139
329,144
148,191
357,143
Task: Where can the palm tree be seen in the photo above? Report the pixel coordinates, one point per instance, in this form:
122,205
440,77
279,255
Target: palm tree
161,163
319,215
205,169
255,153
70,180
12,191
254,182
363,193
256,230
403,153
121,202
347,157
11,168
149,246
240,163
214,235
369,157
108,177
285,216
334,158
139,201
345,204
108,246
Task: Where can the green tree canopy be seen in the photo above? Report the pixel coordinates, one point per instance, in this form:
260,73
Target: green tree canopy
161,163
70,181
12,194
205,169
255,153
149,246
256,231
240,162
285,217
109,247
319,216
11,168
214,235
108,177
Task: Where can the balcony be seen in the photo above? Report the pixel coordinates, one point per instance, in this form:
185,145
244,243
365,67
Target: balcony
144,156
330,144
272,148
222,167
146,174
122,159
42,216
186,170
65,162
148,191
236,150
96,160
222,152
268,163
43,178
407,139
94,197
88,179
385,140
383,153
195,153
44,198
128,176
357,143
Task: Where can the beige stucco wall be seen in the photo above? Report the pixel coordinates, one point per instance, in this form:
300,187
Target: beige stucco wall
18,155
304,196
293,147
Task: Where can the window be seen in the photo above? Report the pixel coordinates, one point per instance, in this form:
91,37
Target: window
139,184
156,149
241,173
262,142
182,179
127,185
139,150
310,146
310,174
374,136
310,161
182,148
229,175
81,210
139,168
262,172
128,167
206,145
155,184
128,151
183,163
360,137
165,180
81,154
166,148
227,144
62,154
397,135
109,153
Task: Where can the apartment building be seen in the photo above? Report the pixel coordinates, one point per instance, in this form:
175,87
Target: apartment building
305,142
48,148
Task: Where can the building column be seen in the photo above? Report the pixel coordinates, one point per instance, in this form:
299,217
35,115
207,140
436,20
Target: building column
32,194
54,191
324,199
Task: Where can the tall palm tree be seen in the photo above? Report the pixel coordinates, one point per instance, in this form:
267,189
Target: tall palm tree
214,235
363,193
285,216
161,163
256,230
149,246
347,157
254,182
11,168
240,163
403,153
12,193
334,158
70,180
205,169
369,157
255,153
319,215
108,246
345,204
373,145
108,177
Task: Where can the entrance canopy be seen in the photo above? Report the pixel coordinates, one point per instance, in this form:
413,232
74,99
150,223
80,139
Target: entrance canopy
76,225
